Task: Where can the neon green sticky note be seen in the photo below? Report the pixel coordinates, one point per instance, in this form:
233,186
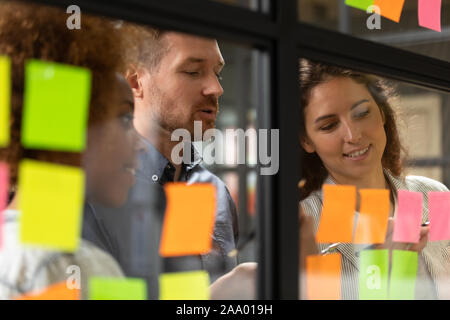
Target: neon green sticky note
56,106
373,274
192,285
5,99
359,4
101,288
51,204
403,275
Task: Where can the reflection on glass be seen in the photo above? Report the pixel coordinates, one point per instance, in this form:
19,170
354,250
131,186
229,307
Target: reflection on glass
406,34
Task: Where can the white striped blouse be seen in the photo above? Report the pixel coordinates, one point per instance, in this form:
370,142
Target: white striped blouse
433,276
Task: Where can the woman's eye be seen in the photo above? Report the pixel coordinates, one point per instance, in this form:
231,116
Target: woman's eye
328,127
362,114
127,120
219,77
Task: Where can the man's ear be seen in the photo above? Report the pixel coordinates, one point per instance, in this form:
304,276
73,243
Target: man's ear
134,79
307,145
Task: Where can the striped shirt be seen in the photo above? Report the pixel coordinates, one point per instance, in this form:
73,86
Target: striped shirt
433,275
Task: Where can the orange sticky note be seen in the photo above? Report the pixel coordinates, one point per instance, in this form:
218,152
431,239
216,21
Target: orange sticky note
391,9
189,219
323,277
336,221
373,216
58,291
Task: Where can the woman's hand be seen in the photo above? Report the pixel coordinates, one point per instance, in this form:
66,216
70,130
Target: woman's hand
389,244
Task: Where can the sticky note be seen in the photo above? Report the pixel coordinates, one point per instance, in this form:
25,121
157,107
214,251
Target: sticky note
191,285
429,12
51,203
373,274
5,99
189,219
336,221
409,217
58,291
391,9
323,277
373,216
102,288
359,4
439,215
403,275
56,106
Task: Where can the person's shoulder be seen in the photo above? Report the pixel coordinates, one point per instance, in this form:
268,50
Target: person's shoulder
424,184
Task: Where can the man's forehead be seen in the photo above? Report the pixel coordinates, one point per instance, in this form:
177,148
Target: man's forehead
192,48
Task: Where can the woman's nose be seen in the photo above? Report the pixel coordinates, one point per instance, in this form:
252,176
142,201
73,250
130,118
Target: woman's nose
352,133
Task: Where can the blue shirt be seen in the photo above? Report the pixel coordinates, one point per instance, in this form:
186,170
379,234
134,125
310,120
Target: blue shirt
132,232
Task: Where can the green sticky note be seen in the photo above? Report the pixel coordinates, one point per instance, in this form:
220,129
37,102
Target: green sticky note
373,274
403,275
192,285
101,288
5,99
360,4
56,106
51,203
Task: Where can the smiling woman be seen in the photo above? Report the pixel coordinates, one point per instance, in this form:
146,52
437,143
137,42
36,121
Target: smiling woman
350,137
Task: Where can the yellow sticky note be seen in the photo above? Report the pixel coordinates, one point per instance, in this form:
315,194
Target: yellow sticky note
373,216
5,99
323,277
336,221
191,285
189,219
117,289
51,204
58,291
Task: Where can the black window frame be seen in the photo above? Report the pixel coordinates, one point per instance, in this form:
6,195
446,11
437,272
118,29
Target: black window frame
285,39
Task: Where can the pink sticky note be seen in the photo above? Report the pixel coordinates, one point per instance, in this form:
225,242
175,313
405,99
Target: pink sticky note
409,217
430,14
439,215
4,183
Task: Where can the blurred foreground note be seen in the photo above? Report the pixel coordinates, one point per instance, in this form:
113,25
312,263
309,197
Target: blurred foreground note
429,12
403,275
51,203
409,217
191,285
58,291
391,9
359,4
188,220
117,289
56,106
323,277
439,215
373,216
373,274
337,218
5,99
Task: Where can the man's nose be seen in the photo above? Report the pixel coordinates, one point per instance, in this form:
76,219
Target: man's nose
352,132
212,86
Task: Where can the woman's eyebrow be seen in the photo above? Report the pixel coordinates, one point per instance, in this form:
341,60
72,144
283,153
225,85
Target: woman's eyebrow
324,117
358,103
